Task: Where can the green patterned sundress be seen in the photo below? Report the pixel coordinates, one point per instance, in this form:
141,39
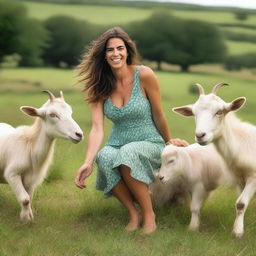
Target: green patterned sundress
134,141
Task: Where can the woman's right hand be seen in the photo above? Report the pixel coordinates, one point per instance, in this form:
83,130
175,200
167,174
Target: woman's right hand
83,172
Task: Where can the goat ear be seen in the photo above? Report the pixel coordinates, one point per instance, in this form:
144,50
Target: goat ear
237,104
184,110
30,111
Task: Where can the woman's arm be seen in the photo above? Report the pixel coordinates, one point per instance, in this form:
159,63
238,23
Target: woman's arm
97,132
94,141
150,85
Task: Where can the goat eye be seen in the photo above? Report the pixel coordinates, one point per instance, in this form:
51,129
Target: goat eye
53,115
171,161
218,113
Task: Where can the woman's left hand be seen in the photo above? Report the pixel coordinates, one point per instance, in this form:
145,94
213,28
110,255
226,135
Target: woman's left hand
177,142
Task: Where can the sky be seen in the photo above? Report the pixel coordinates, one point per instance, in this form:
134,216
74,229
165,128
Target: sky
251,4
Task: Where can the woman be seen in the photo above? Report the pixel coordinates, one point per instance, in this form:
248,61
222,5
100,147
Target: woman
129,96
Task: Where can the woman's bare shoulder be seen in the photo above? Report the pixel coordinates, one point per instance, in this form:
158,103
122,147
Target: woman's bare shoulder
147,74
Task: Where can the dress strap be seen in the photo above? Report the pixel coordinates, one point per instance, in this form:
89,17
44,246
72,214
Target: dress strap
136,73
136,82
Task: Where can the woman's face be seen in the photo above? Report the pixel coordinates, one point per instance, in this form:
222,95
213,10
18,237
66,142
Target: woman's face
116,53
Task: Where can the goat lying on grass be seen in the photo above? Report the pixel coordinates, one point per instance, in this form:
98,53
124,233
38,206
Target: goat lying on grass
193,170
26,152
235,141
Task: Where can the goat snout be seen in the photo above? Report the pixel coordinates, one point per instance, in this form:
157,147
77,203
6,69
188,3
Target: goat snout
161,177
79,135
200,135
75,139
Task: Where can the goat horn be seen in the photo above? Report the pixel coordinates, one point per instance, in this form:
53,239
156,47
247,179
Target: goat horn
200,88
61,95
217,86
52,97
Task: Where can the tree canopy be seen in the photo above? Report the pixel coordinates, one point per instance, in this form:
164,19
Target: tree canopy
19,34
165,38
68,38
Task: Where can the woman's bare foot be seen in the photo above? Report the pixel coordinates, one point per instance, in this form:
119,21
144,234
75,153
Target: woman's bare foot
148,229
149,225
133,224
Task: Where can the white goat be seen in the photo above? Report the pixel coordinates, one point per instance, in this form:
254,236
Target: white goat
234,139
193,170
26,152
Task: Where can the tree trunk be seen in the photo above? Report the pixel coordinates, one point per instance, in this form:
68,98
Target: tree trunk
159,65
184,68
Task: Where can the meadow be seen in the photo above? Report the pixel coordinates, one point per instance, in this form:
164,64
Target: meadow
69,221
101,14
237,48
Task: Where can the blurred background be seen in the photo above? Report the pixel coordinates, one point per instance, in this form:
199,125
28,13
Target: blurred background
54,33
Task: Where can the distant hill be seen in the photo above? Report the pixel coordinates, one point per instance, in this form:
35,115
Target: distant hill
144,4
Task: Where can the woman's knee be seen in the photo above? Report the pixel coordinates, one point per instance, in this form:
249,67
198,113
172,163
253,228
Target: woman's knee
124,169
106,154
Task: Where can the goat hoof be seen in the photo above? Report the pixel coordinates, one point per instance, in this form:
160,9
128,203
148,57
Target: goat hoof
238,234
25,218
193,228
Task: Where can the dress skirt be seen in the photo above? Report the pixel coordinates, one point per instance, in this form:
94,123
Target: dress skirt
142,157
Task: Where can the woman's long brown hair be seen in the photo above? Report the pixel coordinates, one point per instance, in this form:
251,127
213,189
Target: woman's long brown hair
95,72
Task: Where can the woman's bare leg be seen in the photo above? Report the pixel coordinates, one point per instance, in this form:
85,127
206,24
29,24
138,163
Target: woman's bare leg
141,193
122,193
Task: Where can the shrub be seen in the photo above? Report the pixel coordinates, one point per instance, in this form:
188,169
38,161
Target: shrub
240,61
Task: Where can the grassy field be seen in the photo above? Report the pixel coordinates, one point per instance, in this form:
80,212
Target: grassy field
240,30
94,14
110,15
237,48
69,221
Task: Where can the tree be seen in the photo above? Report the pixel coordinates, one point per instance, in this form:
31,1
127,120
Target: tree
68,37
19,34
241,15
163,37
203,44
32,41
10,17
158,36
238,62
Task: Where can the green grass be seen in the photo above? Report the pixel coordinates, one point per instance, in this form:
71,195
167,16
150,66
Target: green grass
110,15
214,17
69,221
240,30
101,15
237,48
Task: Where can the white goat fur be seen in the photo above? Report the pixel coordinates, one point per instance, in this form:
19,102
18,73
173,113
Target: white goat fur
26,152
193,170
234,139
